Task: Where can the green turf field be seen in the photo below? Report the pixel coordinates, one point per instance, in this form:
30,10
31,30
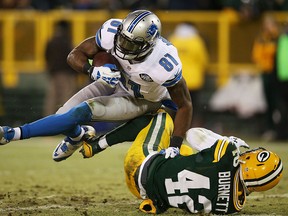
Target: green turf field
31,183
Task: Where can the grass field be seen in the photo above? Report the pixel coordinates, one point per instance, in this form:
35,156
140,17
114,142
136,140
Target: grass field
31,183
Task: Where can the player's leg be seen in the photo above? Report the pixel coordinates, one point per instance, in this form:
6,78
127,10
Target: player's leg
107,108
95,89
66,121
123,133
71,143
153,138
113,108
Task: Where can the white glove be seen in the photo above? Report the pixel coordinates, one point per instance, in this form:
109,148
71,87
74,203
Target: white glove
238,142
107,74
170,152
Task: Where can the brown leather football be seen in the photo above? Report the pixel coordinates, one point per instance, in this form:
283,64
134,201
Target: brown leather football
102,58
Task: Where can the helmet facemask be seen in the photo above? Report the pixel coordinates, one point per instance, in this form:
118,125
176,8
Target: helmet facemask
137,35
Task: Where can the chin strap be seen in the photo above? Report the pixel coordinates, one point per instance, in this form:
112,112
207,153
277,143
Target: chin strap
147,207
247,192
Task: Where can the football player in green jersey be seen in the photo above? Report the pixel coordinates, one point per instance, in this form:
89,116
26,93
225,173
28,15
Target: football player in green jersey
215,180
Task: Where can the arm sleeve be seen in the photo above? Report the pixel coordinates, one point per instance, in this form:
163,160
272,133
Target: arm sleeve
201,138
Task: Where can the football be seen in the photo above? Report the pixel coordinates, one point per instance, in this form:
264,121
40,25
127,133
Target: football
102,58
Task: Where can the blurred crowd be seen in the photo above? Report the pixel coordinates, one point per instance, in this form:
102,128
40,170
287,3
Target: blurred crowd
244,6
269,54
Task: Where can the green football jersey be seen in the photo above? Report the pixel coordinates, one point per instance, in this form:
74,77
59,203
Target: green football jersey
204,182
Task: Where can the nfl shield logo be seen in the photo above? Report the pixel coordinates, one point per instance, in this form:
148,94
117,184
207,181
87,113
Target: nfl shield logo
146,77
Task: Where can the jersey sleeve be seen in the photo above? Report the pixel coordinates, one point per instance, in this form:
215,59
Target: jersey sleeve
221,148
166,63
105,35
173,62
202,138
174,79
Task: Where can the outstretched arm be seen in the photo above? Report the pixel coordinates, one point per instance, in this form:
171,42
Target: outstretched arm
201,138
180,95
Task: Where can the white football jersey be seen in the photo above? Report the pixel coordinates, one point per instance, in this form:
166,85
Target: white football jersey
147,79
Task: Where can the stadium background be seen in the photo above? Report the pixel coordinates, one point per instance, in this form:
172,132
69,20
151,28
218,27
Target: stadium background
24,34
32,184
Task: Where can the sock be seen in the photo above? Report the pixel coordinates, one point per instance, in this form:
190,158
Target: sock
127,131
103,142
67,123
17,134
78,137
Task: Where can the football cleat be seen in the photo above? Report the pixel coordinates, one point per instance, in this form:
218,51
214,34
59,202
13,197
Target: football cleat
67,147
6,134
91,147
147,206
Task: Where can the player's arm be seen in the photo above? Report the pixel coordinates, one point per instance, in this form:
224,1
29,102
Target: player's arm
202,138
180,95
78,57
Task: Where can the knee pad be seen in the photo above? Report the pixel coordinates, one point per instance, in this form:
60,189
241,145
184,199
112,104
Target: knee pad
97,108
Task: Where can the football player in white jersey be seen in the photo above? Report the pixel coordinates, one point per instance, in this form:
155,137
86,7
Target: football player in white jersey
150,77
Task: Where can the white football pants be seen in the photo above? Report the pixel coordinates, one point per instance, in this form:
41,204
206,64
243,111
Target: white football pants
108,104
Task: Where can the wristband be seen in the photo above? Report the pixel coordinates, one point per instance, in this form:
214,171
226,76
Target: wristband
86,67
176,141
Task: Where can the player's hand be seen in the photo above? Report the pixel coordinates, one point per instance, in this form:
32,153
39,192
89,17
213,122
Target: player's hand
238,142
107,74
170,152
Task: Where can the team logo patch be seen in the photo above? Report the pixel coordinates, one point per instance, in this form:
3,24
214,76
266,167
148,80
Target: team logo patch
146,77
152,30
263,156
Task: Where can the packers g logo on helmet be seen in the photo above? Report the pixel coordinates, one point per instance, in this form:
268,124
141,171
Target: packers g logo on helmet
263,156
261,170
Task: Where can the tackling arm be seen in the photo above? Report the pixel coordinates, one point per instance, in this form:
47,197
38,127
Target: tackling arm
78,57
180,95
201,138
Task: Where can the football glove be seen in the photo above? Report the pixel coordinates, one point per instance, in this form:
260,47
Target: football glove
170,152
107,74
238,142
